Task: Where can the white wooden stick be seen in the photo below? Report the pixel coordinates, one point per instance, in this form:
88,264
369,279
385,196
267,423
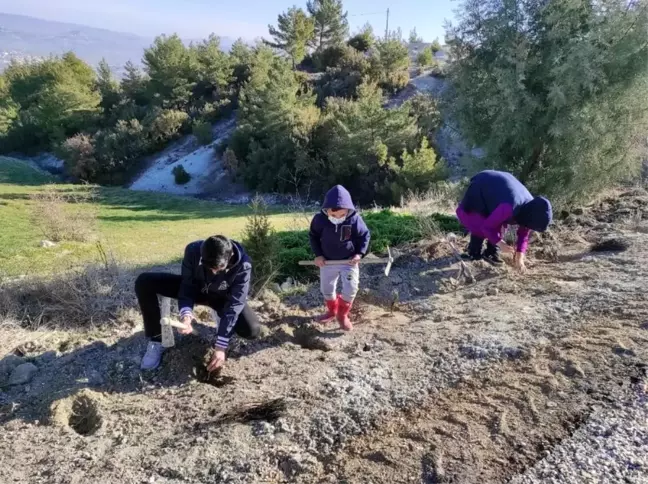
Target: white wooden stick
168,340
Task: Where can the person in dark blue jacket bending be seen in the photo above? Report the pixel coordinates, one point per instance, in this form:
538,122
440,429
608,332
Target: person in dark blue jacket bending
494,200
216,272
339,233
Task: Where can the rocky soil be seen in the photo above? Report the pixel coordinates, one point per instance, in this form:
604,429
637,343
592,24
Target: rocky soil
521,379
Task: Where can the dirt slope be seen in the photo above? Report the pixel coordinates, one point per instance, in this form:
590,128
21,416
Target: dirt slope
439,382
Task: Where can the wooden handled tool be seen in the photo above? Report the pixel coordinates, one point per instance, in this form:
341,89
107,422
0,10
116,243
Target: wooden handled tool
372,260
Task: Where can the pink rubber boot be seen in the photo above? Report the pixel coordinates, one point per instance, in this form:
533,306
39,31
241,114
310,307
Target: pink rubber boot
344,308
331,311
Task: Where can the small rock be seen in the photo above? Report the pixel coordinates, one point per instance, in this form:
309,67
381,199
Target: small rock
22,374
263,428
552,404
492,291
47,244
287,285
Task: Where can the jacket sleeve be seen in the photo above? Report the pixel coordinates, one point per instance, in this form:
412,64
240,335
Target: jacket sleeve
238,298
187,293
362,237
315,237
523,234
492,226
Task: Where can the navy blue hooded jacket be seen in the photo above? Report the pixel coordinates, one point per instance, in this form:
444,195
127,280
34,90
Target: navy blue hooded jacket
339,242
233,284
495,199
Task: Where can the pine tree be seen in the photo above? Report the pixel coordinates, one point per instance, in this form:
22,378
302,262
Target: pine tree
172,70
414,37
108,87
555,91
331,24
134,84
363,40
213,69
294,32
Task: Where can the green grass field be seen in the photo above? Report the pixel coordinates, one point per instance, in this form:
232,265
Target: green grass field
137,227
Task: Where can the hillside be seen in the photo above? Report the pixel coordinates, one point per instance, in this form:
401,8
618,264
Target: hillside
25,38
530,379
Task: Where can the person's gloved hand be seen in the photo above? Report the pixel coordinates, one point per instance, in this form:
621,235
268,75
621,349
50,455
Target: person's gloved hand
320,261
518,262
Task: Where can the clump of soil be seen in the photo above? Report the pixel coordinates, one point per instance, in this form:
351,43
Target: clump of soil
214,378
270,411
613,244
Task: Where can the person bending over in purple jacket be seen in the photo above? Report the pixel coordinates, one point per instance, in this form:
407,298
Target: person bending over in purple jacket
339,233
494,200
216,272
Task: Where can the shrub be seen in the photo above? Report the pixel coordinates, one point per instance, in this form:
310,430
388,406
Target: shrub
95,294
78,154
203,132
425,58
230,163
361,42
261,244
390,65
60,218
181,175
387,229
163,125
330,57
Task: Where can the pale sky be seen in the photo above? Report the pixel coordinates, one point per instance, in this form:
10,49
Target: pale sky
243,18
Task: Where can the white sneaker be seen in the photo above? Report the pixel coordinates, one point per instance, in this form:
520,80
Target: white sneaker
153,356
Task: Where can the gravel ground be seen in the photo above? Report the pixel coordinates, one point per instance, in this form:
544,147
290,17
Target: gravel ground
612,446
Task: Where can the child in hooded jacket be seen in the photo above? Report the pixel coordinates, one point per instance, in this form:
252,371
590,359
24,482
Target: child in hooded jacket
494,200
339,233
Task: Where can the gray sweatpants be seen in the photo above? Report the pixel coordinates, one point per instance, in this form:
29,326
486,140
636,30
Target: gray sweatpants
350,276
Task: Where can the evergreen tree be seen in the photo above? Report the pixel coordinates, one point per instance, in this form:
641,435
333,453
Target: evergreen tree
555,91
414,37
172,69
294,32
52,99
363,40
108,87
274,124
331,24
134,84
213,71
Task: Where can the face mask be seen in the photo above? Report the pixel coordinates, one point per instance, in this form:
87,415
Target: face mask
336,221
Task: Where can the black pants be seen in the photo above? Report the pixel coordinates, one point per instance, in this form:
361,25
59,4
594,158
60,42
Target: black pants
475,247
149,284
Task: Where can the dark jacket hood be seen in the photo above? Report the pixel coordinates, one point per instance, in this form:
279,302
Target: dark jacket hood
536,214
338,197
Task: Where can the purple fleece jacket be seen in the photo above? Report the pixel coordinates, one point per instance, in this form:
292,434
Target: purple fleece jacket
339,242
495,199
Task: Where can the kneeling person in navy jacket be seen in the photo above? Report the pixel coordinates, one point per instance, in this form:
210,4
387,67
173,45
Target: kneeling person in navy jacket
216,272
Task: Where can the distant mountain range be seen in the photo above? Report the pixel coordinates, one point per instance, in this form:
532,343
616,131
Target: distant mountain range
28,38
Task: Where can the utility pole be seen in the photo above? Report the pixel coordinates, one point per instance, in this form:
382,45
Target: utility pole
387,26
